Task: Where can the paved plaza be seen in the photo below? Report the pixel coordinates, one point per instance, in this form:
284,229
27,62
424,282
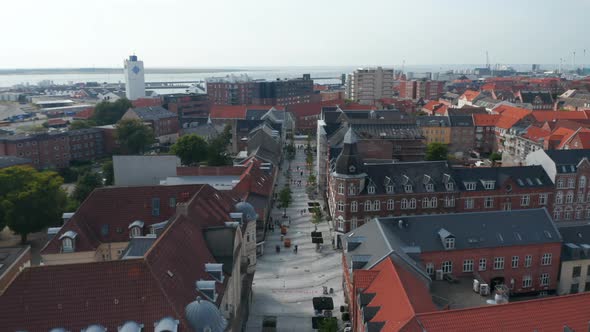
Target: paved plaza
285,283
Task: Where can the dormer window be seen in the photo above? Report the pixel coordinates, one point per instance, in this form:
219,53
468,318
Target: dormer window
215,270
450,186
430,187
448,239
136,229
371,189
207,288
68,241
469,185
408,188
166,324
489,185
389,189
450,243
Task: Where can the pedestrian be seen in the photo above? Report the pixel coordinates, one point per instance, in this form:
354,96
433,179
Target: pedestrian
301,173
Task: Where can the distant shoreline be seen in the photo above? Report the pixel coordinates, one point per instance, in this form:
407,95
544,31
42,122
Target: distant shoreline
49,71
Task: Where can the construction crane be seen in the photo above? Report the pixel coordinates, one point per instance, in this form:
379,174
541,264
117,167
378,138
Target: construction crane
487,60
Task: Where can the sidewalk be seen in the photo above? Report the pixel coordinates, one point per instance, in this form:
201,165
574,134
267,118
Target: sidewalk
285,283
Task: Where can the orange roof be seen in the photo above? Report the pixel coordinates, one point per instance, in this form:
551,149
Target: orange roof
399,294
582,133
485,120
546,314
442,110
510,115
542,116
488,87
84,114
432,105
469,95
536,133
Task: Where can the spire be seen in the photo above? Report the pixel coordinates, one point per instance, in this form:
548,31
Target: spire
350,137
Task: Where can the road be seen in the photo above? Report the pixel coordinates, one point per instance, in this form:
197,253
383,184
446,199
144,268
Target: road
285,283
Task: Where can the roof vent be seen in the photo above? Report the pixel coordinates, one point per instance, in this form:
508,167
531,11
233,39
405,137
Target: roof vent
166,324
130,326
402,223
215,270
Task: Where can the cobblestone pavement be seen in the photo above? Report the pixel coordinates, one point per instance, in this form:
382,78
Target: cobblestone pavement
285,282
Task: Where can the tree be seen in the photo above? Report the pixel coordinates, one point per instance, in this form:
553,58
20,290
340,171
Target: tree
290,150
30,200
108,172
311,180
81,124
328,324
495,156
316,215
285,198
191,149
86,183
106,112
309,160
134,136
217,150
436,151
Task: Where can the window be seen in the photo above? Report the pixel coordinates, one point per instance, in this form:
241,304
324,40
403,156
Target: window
172,202
545,279
340,205
450,186
450,201
587,286
447,267
413,203
351,189
525,200
498,263
155,206
571,183
489,185
567,215
542,199
578,214
546,259
557,214
577,271
389,189
574,288
469,203
588,198
104,230
559,198
482,264
353,223
425,202
515,262
341,224
430,268
367,205
341,189
569,198
469,185
354,206
528,261
404,204
450,243
376,205
67,244
135,232
468,265
587,213
390,204
488,202
408,188
527,281
371,189
430,187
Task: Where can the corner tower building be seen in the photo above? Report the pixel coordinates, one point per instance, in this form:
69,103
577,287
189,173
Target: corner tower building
134,78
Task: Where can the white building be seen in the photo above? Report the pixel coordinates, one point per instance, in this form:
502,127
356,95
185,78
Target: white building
134,78
370,84
574,276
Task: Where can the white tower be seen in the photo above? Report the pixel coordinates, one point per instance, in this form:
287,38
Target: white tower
134,78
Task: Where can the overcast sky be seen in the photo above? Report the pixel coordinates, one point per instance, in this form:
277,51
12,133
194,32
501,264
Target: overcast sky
209,33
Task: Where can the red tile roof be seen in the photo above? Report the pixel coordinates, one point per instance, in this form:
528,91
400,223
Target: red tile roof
584,138
432,105
110,293
547,314
114,208
510,115
535,133
56,122
469,95
542,116
84,114
210,170
485,120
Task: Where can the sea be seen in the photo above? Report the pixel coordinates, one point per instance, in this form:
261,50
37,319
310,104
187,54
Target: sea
322,74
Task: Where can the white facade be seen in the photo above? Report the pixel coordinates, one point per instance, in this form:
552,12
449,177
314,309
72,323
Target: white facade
574,273
134,78
368,85
144,170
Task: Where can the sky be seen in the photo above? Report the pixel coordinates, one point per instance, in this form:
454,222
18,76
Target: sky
242,33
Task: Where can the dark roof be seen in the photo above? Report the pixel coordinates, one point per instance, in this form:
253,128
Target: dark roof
349,161
8,255
522,176
138,246
8,161
466,111
576,242
433,121
386,130
473,230
566,161
418,174
461,120
255,114
153,113
534,97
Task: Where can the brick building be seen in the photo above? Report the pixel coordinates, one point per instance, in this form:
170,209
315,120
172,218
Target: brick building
188,107
462,135
163,122
359,191
484,125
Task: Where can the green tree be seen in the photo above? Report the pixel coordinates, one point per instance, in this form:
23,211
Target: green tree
191,149
311,180
285,198
134,136
328,325
86,183
30,200
495,156
290,150
217,150
106,112
436,151
316,215
108,172
81,124
309,160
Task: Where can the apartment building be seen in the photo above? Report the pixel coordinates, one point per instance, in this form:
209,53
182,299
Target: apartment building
366,85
